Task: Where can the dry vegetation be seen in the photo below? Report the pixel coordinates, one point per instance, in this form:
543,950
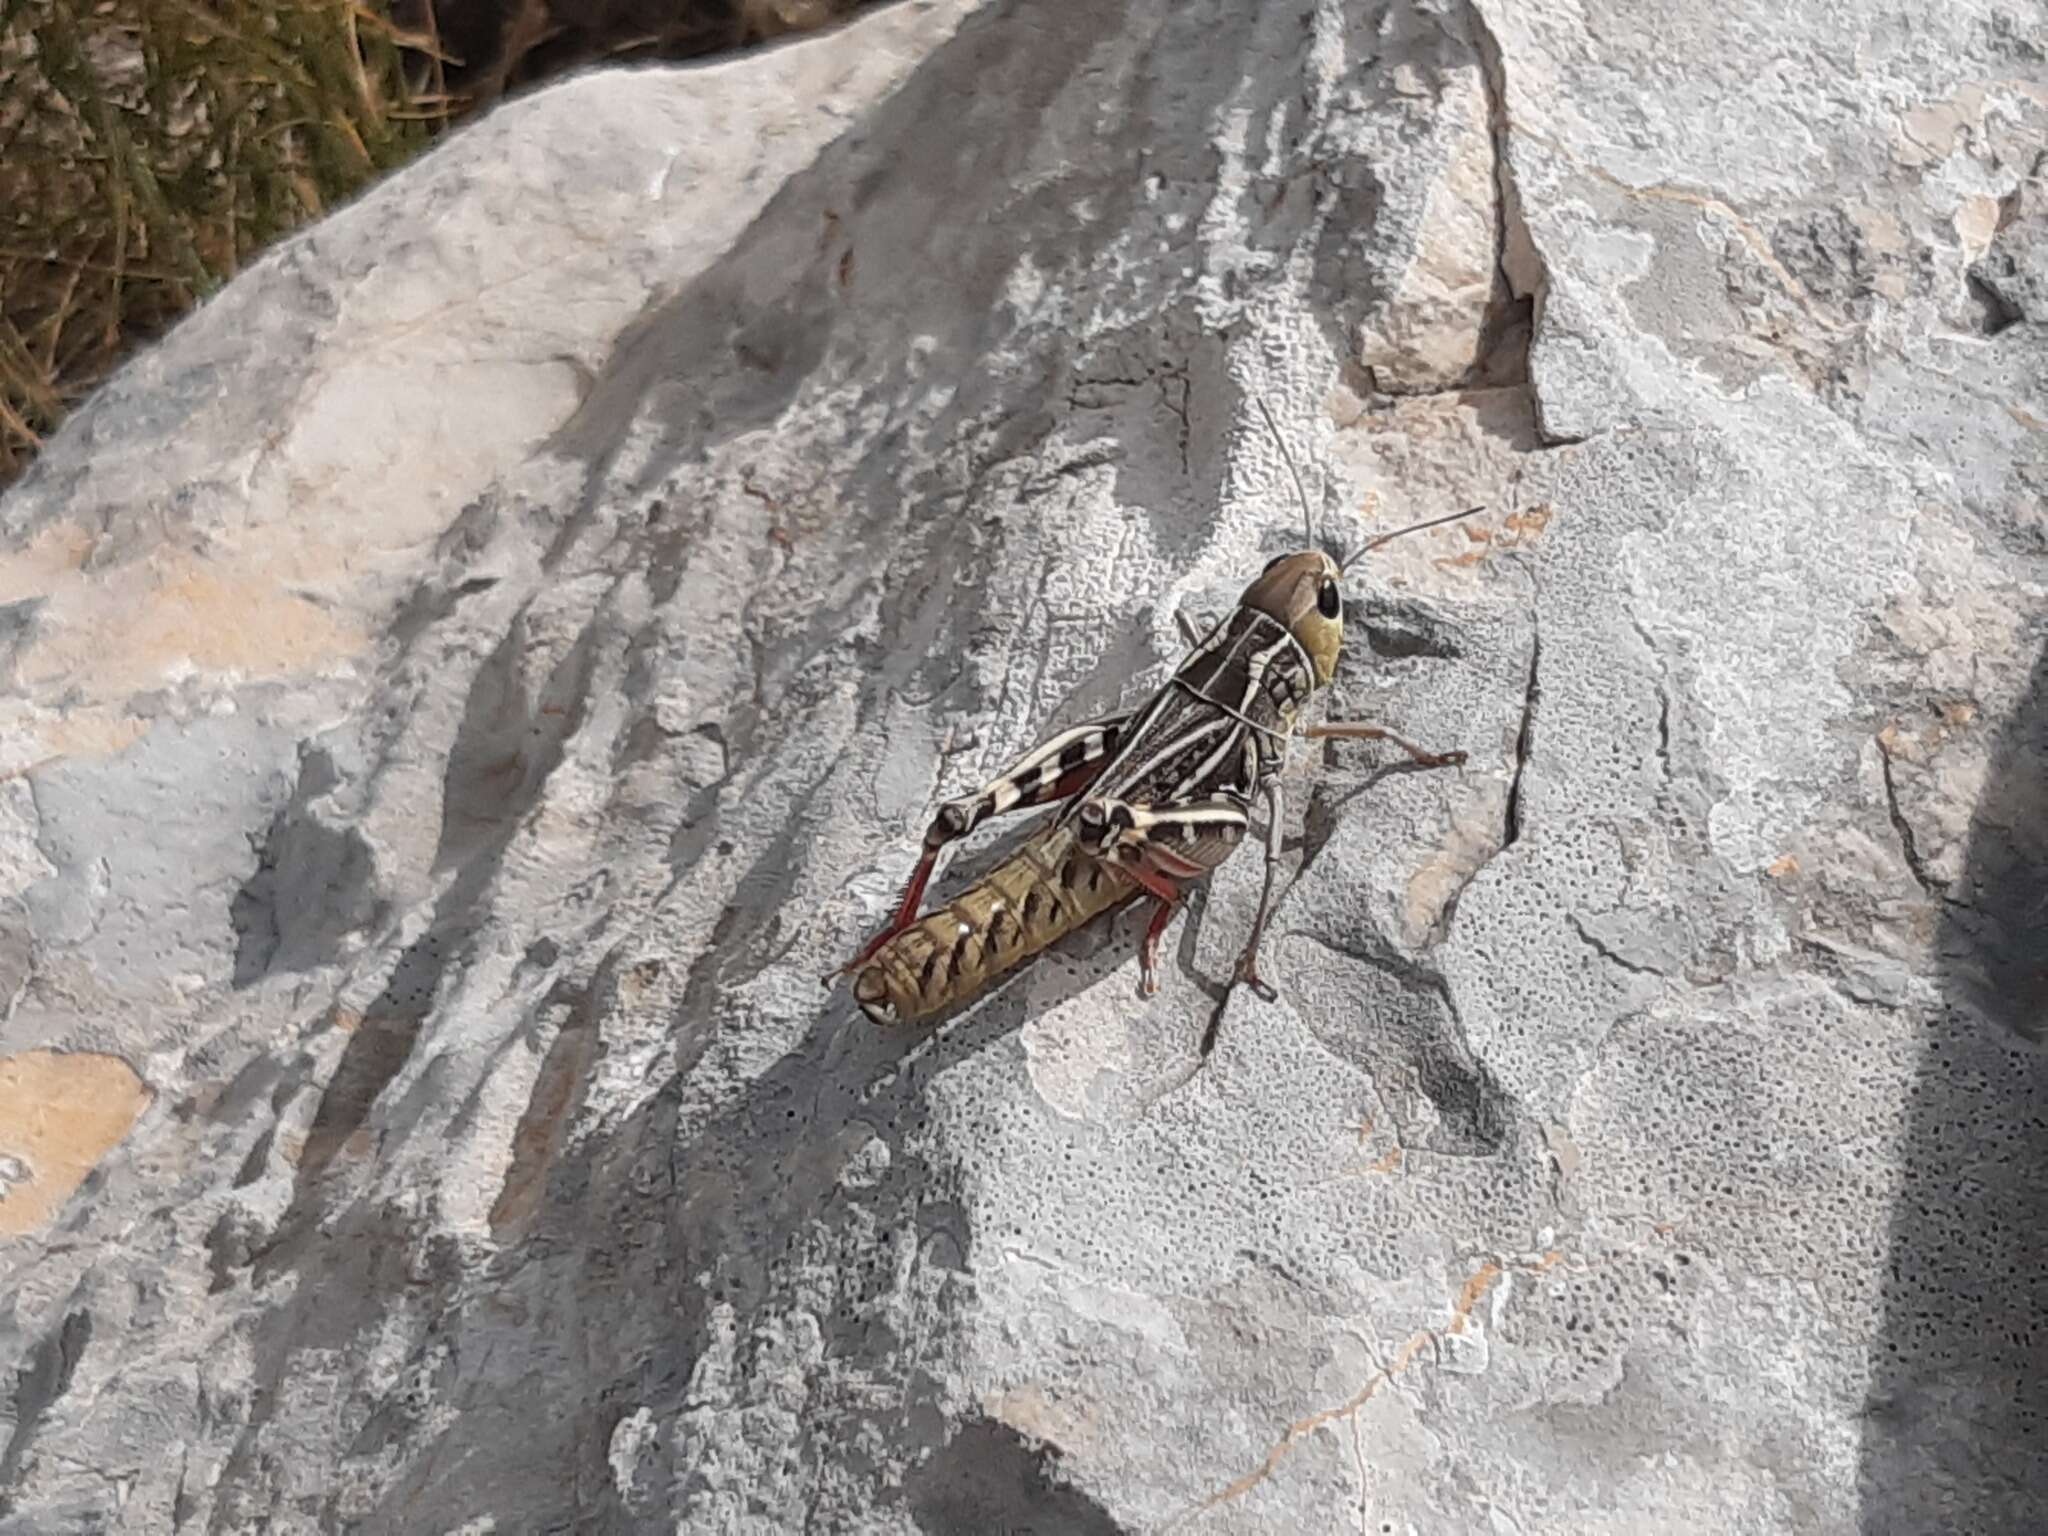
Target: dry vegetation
150,148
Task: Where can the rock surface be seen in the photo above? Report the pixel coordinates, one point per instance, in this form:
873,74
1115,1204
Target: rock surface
469,681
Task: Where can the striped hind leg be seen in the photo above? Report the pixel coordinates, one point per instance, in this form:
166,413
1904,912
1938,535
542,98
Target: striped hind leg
1051,771
1167,842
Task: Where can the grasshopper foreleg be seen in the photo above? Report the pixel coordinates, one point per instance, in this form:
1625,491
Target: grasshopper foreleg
1051,771
1351,730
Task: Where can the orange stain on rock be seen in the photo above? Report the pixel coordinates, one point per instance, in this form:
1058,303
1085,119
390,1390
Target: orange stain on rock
60,1113
91,733
182,614
1470,1295
48,558
108,630
1516,529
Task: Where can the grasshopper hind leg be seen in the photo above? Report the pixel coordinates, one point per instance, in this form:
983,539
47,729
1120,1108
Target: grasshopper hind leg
1051,771
906,909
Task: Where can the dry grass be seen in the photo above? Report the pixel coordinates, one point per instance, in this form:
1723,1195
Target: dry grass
150,148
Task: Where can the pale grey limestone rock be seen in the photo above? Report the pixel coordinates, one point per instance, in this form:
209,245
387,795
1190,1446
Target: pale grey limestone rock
470,680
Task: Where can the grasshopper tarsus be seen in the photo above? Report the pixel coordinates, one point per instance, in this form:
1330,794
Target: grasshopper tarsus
1247,974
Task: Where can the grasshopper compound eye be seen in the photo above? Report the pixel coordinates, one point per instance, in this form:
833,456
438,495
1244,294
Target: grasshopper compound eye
1329,602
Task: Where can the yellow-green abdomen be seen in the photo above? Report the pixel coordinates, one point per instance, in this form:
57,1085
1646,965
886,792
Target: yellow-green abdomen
1044,891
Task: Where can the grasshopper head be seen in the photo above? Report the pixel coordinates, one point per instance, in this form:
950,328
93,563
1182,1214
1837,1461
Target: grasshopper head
1301,592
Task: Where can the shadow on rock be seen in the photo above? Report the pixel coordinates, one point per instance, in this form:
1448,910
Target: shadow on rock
796,1259
740,1300
1956,1427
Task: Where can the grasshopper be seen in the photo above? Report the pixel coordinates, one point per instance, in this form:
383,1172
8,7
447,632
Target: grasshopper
1155,797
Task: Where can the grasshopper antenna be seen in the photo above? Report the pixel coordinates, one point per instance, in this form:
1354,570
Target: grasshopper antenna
1375,542
1308,518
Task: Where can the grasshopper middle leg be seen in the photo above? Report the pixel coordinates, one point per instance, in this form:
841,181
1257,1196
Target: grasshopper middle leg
1248,962
1148,952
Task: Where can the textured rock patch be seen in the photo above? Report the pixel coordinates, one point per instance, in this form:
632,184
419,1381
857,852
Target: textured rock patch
470,681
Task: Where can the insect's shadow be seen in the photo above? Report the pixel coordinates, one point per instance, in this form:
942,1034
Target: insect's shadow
1395,629
1319,825
1324,812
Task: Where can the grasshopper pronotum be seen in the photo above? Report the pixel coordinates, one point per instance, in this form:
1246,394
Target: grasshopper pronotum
1156,796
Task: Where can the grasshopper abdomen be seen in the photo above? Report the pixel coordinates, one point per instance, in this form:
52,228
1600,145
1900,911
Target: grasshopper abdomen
1047,889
